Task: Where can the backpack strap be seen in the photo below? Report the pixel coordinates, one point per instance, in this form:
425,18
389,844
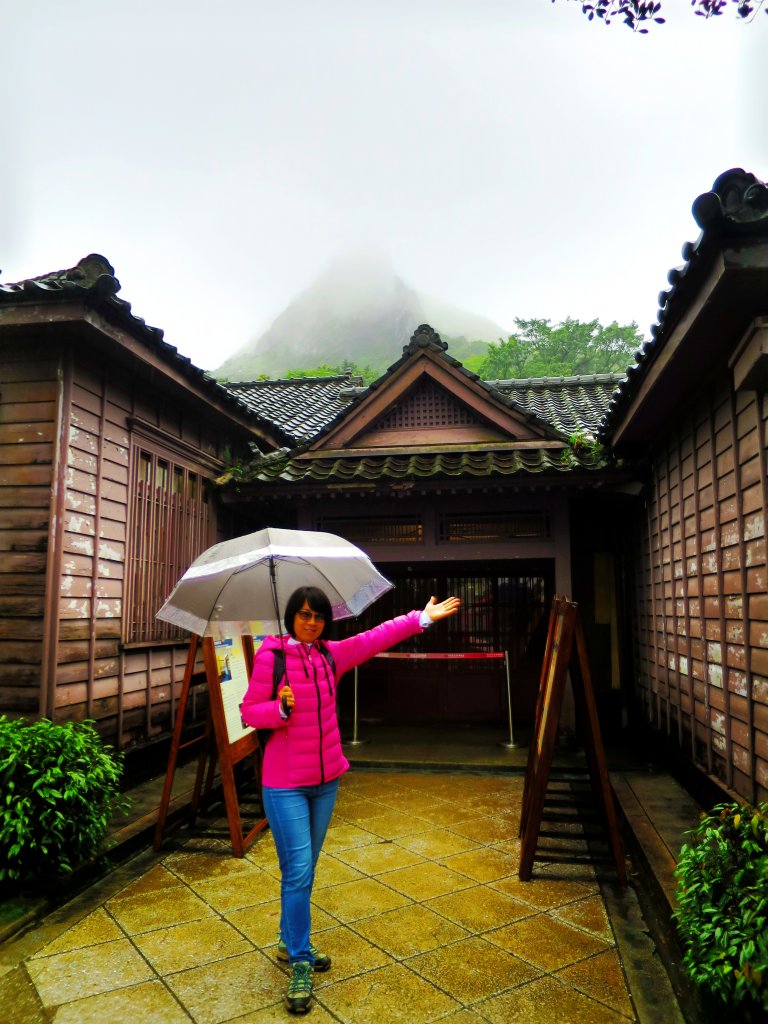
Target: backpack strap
329,664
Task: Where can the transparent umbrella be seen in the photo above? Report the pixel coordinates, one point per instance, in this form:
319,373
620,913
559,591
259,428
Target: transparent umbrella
240,585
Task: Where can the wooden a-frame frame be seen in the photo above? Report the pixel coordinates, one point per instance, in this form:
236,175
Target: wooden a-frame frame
565,649
215,746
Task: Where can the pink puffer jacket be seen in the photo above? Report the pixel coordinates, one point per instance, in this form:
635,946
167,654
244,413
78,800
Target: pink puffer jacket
306,749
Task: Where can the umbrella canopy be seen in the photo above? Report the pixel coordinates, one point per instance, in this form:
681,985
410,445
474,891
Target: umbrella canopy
241,585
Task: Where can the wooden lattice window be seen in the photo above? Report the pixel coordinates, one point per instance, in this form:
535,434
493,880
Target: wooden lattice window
473,529
170,527
427,405
376,529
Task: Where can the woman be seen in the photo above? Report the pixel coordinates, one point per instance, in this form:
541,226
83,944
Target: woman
303,759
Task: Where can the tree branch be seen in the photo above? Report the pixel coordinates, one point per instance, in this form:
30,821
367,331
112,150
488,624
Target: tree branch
637,14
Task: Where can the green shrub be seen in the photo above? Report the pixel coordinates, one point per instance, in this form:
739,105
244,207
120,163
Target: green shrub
722,904
58,792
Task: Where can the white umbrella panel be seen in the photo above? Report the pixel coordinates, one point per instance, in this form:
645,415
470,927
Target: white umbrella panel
241,585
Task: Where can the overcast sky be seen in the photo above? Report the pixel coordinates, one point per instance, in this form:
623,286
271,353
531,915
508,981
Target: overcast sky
508,156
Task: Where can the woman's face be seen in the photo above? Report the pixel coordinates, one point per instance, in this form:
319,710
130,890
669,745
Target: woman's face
308,625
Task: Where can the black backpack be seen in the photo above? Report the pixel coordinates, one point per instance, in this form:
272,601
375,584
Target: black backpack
278,671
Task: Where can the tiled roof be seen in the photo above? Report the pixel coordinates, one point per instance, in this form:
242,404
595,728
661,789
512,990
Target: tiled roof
305,406
424,466
736,208
569,403
94,281
300,407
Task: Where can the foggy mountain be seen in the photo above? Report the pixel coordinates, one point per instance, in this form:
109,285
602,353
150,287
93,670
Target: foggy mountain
359,310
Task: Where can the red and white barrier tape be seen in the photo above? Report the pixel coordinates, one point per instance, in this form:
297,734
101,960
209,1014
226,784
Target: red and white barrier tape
452,656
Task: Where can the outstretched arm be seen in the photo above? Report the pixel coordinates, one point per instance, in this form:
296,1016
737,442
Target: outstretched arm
357,649
441,610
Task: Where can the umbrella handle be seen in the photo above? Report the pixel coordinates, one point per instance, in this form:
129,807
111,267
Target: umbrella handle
273,584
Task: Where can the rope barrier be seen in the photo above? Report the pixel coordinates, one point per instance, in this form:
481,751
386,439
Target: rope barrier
452,654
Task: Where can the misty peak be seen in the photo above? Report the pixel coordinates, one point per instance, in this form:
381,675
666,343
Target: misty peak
359,279
357,309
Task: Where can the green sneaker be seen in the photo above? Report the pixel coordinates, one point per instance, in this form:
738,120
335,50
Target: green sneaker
322,962
299,994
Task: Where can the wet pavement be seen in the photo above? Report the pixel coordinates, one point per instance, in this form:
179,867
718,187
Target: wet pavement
416,899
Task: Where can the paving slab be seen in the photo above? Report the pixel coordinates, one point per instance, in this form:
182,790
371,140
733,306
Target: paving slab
422,912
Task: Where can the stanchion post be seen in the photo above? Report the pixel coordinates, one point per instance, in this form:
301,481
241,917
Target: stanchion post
510,743
355,741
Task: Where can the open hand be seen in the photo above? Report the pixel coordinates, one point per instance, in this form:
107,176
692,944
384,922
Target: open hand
442,609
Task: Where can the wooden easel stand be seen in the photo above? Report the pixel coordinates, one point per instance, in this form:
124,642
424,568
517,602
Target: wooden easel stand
565,649
216,746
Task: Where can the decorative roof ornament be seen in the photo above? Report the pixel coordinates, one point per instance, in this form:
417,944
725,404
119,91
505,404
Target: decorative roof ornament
93,279
93,274
424,337
736,207
738,201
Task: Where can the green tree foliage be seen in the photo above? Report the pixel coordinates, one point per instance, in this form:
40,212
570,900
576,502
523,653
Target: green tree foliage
638,14
540,349
722,907
367,373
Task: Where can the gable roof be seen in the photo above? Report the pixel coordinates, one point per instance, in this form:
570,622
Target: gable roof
304,407
93,282
484,412
340,428
732,215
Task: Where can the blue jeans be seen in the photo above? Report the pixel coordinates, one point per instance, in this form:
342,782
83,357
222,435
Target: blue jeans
299,819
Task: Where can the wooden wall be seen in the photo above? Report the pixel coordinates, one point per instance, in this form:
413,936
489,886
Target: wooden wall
93,545
702,595
68,419
29,389
126,689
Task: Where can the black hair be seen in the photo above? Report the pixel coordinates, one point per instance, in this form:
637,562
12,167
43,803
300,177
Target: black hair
317,601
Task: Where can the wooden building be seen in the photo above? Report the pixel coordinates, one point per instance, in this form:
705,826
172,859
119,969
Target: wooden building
109,442
120,461
114,457
454,485
693,414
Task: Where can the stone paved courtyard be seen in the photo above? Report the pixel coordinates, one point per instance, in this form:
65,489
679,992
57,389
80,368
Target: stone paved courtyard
416,899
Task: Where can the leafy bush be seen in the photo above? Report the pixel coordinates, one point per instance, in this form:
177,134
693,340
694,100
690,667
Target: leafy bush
58,791
722,904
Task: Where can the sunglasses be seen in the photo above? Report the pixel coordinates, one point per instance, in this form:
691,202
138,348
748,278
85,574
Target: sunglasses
308,616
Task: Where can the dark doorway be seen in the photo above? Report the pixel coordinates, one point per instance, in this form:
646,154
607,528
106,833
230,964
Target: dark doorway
505,607
603,552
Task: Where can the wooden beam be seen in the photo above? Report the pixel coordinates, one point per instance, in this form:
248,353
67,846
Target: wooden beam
469,448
